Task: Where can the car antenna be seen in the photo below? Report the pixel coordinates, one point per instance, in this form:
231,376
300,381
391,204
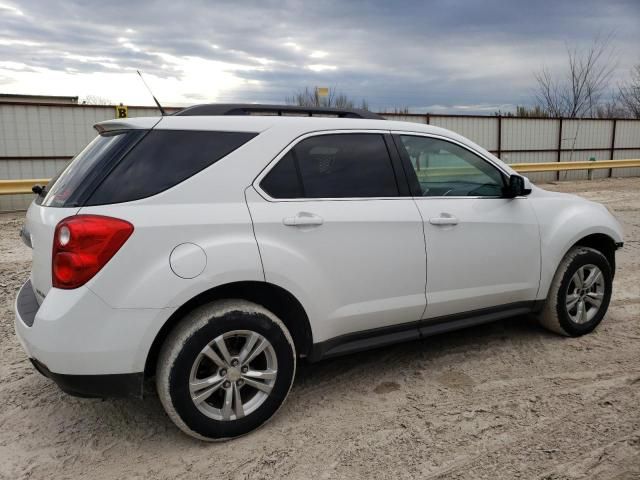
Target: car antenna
154,98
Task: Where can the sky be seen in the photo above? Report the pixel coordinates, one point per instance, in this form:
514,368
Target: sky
430,56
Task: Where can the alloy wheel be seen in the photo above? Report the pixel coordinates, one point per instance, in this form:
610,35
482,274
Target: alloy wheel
585,294
233,375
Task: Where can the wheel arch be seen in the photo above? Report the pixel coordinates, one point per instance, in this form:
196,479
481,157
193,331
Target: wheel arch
601,242
272,297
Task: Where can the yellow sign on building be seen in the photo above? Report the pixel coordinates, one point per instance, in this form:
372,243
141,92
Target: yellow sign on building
322,91
121,111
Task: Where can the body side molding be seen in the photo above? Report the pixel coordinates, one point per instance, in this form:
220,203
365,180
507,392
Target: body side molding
379,337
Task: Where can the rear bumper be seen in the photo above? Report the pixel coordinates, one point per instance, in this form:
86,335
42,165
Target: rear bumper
27,304
95,386
84,345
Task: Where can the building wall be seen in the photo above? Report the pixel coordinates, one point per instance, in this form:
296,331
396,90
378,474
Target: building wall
11,98
37,141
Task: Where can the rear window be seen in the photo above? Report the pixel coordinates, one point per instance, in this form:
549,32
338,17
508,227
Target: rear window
130,165
162,159
80,177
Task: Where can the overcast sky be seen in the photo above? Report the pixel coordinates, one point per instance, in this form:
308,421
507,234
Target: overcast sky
448,55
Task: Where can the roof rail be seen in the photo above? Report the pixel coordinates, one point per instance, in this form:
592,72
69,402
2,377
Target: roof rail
258,109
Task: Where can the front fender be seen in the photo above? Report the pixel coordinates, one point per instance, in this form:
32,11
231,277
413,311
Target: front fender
564,221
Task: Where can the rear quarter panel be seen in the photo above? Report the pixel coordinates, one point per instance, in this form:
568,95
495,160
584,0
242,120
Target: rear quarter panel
209,210
40,224
140,275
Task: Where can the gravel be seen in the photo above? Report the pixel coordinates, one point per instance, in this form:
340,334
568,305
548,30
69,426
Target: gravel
504,400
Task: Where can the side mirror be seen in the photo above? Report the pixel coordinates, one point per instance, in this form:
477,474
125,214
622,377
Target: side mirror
518,186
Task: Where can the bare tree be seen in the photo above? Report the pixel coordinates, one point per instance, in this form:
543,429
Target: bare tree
96,100
536,111
611,109
310,98
581,90
629,94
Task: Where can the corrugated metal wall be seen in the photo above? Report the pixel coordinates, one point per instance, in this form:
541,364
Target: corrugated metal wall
538,137
627,135
36,141
539,140
479,130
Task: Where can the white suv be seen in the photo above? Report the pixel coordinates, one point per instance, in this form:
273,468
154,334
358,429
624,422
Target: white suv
214,248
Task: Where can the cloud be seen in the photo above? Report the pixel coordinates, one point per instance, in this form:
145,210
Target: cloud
11,9
450,53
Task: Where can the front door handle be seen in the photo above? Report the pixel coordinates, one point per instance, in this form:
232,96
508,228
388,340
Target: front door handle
444,219
303,219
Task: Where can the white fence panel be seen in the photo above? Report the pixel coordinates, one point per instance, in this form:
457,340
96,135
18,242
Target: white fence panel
587,134
529,134
16,168
11,203
628,134
38,131
483,131
627,172
43,130
405,118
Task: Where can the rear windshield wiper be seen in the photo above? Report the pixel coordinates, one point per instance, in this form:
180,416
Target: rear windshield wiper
39,190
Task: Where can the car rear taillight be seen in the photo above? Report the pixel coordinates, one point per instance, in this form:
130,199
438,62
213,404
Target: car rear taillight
82,245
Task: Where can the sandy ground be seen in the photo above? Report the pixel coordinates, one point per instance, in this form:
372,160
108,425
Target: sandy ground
506,400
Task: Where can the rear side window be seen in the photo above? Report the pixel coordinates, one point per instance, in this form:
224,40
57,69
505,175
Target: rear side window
334,166
162,159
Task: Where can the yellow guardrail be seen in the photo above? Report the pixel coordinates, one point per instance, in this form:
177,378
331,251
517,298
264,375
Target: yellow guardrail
565,166
12,187
531,167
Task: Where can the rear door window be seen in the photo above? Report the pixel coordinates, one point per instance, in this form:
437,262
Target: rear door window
283,180
334,166
163,159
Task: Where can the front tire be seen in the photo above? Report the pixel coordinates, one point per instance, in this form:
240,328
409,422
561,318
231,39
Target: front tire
579,294
225,369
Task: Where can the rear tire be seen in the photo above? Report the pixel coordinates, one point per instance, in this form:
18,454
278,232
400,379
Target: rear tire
210,380
579,294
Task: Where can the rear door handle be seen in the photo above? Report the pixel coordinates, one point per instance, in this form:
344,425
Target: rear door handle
303,219
444,219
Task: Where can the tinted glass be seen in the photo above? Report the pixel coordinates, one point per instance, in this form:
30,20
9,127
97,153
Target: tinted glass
162,159
282,181
67,188
446,169
340,166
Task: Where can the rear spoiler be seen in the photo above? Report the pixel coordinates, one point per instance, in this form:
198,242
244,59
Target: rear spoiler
141,123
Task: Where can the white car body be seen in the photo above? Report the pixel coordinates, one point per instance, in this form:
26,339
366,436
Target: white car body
360,265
